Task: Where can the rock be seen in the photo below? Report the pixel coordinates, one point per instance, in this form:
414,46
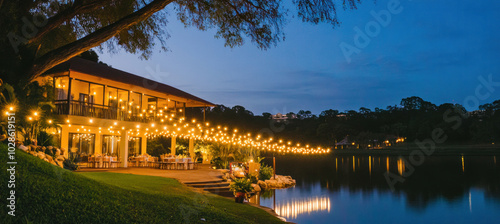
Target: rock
256,187
59,163
41,155
46,160
60,158
24,148
58,152
262,184
49,158
50,147
280,182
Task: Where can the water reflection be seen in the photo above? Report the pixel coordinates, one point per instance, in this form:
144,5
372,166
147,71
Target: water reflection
294,207
323,183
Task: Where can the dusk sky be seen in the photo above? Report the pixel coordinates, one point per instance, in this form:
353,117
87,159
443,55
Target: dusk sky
438,50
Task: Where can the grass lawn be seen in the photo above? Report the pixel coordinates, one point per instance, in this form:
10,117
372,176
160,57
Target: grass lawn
49,194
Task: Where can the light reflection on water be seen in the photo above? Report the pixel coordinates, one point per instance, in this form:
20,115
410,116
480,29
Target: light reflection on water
354,190
294,207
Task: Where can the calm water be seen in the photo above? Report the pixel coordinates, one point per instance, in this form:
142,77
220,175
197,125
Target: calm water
347,189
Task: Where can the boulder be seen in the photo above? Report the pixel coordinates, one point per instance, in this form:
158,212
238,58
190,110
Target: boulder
46,160
59,163
262,184
49,158
50,147
24,148
41,155
256,187
280,182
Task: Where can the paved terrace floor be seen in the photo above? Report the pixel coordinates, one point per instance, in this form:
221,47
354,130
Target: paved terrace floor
203,173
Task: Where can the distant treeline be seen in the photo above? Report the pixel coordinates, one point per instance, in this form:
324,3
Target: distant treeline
413,119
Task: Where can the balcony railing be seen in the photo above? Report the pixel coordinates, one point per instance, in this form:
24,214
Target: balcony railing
78,108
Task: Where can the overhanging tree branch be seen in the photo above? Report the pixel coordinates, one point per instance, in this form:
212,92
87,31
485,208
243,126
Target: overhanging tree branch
94,39
79,6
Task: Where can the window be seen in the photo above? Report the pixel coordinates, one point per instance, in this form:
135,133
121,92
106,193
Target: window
96,94
134,146
79,87
81,144
112,97
61,84
135,103
111,145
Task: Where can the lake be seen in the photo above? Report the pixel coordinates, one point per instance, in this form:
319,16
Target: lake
354,189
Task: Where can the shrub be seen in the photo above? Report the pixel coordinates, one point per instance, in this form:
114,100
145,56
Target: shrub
253,178
45,139
241,185
265,173
218,163
71,163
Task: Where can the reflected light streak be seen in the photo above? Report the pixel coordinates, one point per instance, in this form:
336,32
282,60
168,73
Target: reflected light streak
387,164
370,164
463,165
295,207
353,164
336,165
401,166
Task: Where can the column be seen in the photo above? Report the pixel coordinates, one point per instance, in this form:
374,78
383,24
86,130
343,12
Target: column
191,148
65,139
172,146
144,144
124,148
98,143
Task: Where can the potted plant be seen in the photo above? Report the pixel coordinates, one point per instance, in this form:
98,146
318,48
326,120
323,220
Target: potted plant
240,187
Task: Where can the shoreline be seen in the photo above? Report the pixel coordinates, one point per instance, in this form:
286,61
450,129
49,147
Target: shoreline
440,150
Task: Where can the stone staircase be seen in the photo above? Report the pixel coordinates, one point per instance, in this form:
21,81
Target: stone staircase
219,187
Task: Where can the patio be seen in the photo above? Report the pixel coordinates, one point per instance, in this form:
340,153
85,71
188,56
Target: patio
203,173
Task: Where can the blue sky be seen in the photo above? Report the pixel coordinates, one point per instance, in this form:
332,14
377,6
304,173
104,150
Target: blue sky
437,50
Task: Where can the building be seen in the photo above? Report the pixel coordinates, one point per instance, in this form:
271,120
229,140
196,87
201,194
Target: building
283,117
102,110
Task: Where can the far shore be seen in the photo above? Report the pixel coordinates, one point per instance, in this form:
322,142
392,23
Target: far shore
440,150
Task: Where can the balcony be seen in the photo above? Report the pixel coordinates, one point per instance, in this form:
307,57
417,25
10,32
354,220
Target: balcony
79,108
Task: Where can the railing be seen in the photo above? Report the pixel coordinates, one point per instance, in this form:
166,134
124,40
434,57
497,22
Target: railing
78,108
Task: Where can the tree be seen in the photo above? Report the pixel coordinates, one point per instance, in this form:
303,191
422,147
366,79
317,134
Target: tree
39,34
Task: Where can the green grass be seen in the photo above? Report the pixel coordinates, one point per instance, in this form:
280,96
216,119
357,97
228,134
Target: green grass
49,194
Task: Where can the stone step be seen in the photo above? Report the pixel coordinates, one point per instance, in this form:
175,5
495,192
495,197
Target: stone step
204,182
209,185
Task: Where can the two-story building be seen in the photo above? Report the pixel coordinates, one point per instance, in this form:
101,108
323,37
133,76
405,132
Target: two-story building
102,110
